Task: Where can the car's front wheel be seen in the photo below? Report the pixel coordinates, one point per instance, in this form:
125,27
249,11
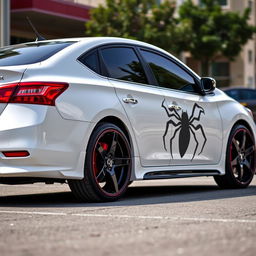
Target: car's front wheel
107,166
240,159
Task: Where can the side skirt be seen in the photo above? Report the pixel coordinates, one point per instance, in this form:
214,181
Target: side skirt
179,174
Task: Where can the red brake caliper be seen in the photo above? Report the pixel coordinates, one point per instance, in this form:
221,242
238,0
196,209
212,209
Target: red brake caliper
104,147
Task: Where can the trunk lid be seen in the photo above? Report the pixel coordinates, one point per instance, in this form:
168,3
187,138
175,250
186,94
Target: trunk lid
9,75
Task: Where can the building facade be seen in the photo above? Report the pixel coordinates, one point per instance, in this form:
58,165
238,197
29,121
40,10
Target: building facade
241,71
92,3
52,19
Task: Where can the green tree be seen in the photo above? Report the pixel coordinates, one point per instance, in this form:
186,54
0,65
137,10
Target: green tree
212,32
144,20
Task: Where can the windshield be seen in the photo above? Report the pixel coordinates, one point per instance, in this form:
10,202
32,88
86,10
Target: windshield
30,53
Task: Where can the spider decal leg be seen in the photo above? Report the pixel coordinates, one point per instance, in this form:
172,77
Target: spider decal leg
199,127
167,128
175,115
172,139
192,118
197,143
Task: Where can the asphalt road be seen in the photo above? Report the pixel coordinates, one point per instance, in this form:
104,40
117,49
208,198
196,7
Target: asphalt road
174,217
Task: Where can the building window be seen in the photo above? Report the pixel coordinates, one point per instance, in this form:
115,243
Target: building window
223,2
250,56
250,4
220,69
221,72
250,81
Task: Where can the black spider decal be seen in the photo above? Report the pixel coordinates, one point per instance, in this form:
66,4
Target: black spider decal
185,125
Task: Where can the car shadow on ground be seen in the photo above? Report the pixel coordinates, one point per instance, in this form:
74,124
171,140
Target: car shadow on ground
134,196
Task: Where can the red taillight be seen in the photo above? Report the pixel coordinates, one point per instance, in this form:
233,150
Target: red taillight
15,153
6,92
43,93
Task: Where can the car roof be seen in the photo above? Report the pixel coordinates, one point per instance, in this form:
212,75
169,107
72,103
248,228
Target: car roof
80,42
106,40
97,40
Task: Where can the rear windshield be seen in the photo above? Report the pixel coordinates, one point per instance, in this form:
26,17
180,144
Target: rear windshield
30,53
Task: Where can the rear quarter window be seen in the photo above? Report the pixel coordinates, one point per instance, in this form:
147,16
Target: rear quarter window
30,53
91,61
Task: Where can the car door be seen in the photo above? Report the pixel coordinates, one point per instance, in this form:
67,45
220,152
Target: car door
193,133
142,102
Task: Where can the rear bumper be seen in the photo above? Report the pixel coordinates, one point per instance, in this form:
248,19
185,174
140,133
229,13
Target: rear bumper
56,146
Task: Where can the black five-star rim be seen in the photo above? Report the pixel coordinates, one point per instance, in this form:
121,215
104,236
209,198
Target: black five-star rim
111,162
242,156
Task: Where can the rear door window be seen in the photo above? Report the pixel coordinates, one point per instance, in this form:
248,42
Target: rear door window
122,63
30,53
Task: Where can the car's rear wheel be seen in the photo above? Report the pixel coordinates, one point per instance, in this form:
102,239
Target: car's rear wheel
240,159
107,166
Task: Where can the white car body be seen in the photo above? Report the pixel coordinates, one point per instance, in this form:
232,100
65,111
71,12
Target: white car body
56,137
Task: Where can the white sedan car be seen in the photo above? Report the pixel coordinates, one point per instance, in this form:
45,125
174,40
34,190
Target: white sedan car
102,112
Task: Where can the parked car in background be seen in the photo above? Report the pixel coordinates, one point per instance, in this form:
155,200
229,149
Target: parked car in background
246,96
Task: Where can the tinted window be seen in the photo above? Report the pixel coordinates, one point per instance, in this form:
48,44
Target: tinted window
91,61
233,94
242,94
122,63
248,95
30,53
167,73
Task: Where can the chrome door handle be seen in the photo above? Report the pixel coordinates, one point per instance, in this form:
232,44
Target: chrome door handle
172,107
130,100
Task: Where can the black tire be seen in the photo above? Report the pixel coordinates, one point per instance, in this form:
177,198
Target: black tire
107,166
240,159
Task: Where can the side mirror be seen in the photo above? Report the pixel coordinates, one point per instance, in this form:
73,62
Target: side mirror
208,84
